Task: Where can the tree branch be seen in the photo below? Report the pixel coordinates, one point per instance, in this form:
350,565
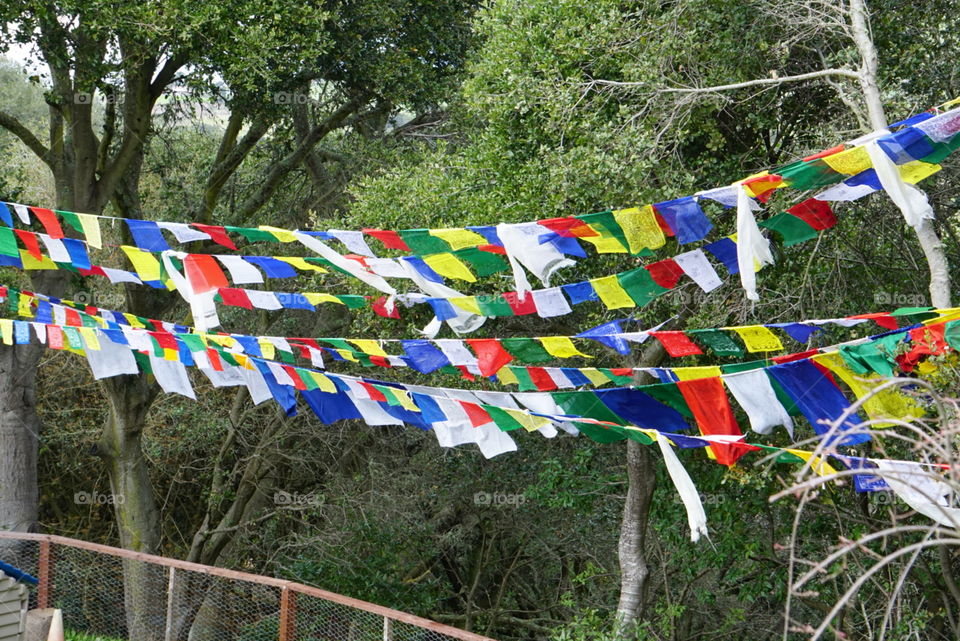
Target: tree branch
18,129
822,73
273,179
229,157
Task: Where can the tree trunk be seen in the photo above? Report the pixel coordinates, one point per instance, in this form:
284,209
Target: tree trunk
20,424
634,571
19,436
641,481
931,244
138,518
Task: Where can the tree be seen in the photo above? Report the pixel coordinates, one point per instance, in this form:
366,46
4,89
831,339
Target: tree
263,60
595,107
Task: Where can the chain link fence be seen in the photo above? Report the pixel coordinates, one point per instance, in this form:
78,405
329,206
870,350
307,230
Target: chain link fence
110,594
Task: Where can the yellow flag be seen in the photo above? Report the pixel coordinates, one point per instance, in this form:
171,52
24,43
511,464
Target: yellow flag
450,266
758,338
267,349
144,263
529,422
691,373
315,298
850,161
90,225
611,293
301,264
506,376
6,328
24,306
323,382
467,303
604,241
406,402
29,262
640,227
133,320
170,354
370,347
90,340
817,464
886,404
459,238
915,171
596,377
560,346
347,354
283,235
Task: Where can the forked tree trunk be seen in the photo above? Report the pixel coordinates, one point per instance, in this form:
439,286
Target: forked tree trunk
136,510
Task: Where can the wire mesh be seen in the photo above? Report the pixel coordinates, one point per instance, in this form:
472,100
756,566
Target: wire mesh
24,555
328,621
115,595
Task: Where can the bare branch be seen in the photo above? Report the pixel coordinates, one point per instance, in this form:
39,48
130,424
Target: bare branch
18,129
823,73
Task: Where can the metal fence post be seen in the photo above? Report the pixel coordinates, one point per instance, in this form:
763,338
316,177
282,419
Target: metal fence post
171,590
43,570
387,629
288,614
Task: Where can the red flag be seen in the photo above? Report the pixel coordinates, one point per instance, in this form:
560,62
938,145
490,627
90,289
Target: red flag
49,220
30,242
666,273
390,239
708,402
542,379
490,354
235,297
380,308
527,306
677,344
825,153
478,416
204,273
815,213
217,234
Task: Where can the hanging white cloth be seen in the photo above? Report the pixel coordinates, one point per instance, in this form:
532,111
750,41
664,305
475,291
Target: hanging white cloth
752,247
920,490
523,247
112,359
696,516
911,201
172,376
755,394
695,265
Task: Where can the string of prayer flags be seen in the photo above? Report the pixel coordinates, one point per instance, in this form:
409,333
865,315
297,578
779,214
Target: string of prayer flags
794,383
334,398
915,150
